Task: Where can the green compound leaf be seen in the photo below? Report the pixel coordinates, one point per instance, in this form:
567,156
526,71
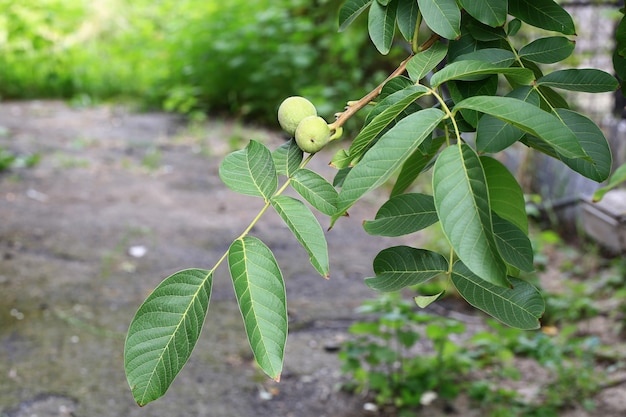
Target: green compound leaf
593,142
287,158
505,194
164,332
381,24
544,14
462,202
424,62
530,119
471,70
350,10
403,214
520,306
386,156
442,16
513,244
305,228
316,190
489,12
250,171
587,80
401,266
260,292
548,50
393,105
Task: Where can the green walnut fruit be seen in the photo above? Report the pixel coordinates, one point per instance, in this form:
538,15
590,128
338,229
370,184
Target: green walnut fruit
291,112
312,134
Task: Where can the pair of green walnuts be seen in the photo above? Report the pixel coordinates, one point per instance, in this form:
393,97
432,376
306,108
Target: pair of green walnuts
298,117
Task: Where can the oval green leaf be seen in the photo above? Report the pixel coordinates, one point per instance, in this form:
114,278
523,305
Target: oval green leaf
593,142
164,332
548,50
442,16
462,202
401,266
489,12
513,244
587,80
316,190
415,164
287,158
350,10
381,24
544,14
505,194
260,292
530,119
305,228
520,306
250,171
387,110
403,214
470,70
424,62
407,18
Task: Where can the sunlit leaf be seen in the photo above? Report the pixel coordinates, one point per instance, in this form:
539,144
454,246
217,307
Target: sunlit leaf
424,301
520,306
250,171
403,214
462,202
305,228
316,190
260,292
401,266
287,158
164,332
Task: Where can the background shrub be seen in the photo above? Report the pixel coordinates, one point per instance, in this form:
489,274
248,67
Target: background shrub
238,57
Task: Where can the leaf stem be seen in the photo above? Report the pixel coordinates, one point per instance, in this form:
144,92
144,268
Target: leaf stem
256,219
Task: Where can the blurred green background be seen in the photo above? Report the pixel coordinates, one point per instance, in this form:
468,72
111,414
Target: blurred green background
195,57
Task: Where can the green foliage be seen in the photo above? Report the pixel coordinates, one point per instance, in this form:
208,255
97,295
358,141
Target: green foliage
380,358
498,96
400,358
185,55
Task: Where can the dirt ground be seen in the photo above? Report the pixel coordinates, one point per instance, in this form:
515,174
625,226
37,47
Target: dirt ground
118,202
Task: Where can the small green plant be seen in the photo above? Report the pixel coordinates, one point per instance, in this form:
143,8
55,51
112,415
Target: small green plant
464,93
381,359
